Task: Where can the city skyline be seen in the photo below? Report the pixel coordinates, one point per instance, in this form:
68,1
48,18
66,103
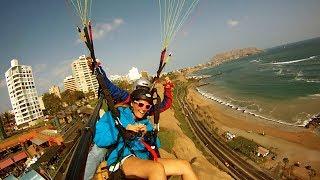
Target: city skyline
43,34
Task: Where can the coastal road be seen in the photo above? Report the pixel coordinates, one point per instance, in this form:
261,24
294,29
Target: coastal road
238,168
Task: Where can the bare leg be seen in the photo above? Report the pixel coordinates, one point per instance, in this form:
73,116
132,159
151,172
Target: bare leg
178,167
147,169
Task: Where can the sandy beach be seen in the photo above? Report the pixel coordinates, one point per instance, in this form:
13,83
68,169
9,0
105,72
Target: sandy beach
296,143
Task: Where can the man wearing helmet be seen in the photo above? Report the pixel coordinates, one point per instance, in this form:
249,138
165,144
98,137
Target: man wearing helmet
120,96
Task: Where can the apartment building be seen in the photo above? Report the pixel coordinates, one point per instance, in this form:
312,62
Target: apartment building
22,93
69,83
55,90
84,79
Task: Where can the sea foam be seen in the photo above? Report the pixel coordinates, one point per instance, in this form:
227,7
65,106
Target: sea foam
294,61
220,101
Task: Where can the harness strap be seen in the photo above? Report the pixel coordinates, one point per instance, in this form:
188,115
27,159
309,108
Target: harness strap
151,150
156,120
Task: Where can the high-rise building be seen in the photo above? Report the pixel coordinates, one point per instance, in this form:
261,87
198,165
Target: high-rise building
22,93
69,84
41,103
55,90
83,77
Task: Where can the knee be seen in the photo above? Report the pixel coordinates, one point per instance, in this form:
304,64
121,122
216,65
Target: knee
158,169
185,165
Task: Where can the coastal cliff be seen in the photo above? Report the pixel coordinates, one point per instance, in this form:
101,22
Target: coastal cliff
233,54
224,57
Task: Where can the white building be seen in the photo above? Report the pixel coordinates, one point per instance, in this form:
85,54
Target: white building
55,90
229,135
84,79
69,83
22,93
262,151
41,103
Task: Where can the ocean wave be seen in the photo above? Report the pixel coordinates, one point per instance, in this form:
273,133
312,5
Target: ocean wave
313,81
298,123
300,74
198,76
280,72
256,60
298,78
294,61
315,95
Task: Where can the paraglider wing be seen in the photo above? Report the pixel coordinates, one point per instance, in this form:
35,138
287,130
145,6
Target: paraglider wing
173,13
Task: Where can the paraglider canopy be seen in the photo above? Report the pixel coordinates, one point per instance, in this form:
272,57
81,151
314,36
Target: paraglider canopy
173,13
82,9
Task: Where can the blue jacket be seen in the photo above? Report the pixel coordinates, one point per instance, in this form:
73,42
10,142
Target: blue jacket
106,134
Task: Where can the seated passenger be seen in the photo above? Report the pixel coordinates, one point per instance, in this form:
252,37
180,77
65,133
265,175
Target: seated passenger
97,154
131,155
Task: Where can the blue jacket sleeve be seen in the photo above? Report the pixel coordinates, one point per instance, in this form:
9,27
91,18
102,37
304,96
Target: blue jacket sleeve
118,94
106,132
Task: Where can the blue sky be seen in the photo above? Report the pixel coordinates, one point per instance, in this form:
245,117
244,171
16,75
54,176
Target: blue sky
42,34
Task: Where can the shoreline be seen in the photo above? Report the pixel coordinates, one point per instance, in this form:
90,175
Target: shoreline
209,96
294,142
255,121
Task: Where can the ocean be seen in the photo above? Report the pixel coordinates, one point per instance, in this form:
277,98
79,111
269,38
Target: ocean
281,84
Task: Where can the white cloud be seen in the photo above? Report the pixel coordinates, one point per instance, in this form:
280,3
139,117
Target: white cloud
134,74
233,23
102,29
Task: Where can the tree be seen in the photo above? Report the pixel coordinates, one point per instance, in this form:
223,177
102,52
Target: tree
67,97
312,173
78,95
2,131
245,146
6,118
123,84
89,95
70,97
145,74
52,103
285,161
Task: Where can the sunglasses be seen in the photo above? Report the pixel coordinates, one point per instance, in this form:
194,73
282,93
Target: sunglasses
141,105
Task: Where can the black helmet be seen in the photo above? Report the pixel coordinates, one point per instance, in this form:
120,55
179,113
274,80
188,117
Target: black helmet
141,94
